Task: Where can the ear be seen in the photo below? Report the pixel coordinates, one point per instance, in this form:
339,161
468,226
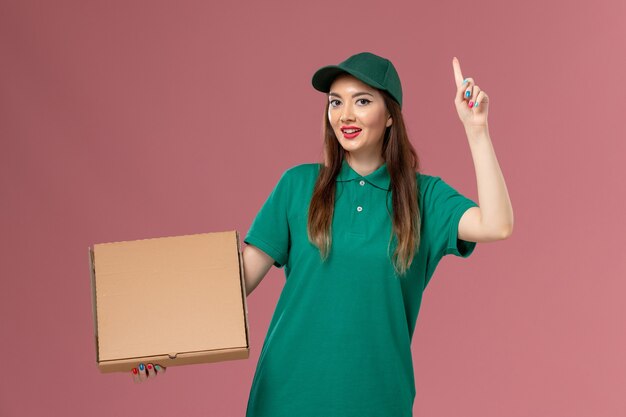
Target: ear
389,121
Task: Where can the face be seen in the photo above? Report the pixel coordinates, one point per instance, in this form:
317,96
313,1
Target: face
354,104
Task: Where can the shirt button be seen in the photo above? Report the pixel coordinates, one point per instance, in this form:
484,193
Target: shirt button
362,182
359,208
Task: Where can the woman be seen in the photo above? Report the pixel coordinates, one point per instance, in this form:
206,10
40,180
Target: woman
360,237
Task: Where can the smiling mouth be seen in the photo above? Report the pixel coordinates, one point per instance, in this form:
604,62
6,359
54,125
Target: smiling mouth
348,135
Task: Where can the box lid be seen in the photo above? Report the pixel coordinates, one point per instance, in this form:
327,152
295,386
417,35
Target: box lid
169,295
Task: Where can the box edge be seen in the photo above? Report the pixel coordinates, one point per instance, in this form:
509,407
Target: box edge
92,273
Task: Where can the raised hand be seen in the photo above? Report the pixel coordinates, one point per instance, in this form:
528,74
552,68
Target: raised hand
472,103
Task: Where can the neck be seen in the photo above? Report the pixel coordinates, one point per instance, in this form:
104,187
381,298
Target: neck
364,166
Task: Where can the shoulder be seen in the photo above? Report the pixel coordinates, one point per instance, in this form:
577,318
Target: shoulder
433,188
303,170
302,173
425,181
297,176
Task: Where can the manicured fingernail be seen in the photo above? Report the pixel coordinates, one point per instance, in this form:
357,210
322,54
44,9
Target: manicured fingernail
467,93
141,366
149,366
471,104
476,105
465,80
134,370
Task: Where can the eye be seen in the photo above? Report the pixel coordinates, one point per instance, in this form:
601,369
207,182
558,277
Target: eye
332,101
365,100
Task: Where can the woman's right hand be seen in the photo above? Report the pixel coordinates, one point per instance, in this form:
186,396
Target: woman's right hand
147,371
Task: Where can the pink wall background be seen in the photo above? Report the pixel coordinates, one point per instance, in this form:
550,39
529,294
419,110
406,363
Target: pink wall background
124,120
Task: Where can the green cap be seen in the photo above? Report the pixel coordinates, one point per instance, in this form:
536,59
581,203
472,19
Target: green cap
372,69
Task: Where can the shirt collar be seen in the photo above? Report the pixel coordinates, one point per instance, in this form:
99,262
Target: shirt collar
378,178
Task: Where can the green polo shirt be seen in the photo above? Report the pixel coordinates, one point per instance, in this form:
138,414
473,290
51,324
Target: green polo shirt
339,341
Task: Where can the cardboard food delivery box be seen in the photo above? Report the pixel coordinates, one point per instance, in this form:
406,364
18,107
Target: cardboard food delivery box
171,300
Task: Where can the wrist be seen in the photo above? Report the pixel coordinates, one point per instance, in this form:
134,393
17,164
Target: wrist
476,130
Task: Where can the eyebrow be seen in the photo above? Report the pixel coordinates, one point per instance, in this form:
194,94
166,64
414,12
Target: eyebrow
358,93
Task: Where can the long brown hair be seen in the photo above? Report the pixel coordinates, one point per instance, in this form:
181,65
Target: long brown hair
402,162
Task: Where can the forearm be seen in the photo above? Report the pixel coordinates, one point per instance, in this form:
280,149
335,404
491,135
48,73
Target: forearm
256,264
495,204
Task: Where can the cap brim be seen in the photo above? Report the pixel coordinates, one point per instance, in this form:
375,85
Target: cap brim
323,77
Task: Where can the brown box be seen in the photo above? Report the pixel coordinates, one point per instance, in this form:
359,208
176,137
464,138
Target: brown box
172,300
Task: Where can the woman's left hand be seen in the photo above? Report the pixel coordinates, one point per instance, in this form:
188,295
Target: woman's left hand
472,103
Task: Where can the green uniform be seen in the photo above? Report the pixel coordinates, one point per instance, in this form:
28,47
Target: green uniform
339,342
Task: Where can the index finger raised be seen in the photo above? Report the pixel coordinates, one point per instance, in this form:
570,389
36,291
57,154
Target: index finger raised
458,76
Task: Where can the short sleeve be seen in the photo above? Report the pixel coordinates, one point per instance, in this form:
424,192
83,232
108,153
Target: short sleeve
443,208
270,228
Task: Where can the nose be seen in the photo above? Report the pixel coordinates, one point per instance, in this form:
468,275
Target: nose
346,114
